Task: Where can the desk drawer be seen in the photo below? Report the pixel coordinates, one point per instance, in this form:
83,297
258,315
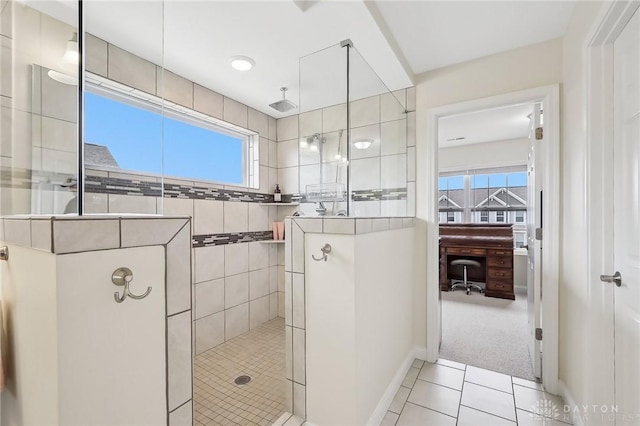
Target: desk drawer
499,274
500,252
500,261
497,285
469,251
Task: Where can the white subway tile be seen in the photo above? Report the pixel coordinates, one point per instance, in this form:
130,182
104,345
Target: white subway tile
210,263
208,217
209,332
258,311
236,258
236,290
209,297
179,359
258,283
236,321
236,216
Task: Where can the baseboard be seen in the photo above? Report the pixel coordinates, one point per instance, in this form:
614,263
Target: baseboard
388,395
568,400
420,352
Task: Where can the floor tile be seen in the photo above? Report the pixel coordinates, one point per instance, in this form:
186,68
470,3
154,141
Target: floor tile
399,400
488,378
489,400
527,418
413,415
435,397
527,383
418,363
470,417
389,419
451,364
538,402
442,375
260,354
411,377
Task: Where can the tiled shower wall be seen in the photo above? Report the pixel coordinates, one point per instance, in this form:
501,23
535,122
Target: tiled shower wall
382,176
235,277
38,114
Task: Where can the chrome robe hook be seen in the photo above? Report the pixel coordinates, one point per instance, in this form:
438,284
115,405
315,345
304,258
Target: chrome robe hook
123,277
326,249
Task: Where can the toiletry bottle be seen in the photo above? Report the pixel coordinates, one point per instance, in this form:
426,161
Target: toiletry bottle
277,195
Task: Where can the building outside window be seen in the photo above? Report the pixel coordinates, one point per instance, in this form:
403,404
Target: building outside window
499,216
520,216
484,216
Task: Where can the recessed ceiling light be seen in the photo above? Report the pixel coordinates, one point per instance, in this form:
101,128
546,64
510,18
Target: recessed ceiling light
362,143
242,63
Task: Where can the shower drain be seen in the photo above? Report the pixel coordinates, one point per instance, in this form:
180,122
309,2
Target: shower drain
242,380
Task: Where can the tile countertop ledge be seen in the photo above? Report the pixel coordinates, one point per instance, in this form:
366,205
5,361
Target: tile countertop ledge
350,225
72,234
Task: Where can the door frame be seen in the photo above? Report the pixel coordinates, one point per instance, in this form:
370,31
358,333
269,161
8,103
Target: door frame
599,194
550,96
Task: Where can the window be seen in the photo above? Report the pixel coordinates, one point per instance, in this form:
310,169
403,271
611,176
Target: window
499,216
451,217
134,134
520,239
519,216
484,216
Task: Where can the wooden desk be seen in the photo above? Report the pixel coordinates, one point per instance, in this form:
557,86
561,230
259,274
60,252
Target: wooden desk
491,245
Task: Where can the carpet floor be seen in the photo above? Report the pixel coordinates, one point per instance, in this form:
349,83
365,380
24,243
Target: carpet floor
486,332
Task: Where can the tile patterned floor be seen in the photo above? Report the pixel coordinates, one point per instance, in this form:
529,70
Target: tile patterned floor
450,393
259,354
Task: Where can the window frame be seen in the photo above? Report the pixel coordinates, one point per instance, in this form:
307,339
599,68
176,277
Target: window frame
118,92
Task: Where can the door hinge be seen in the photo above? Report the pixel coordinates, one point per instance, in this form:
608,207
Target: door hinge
539,234
538,334
539,133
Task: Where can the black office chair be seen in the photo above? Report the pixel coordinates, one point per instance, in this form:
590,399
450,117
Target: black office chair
465,283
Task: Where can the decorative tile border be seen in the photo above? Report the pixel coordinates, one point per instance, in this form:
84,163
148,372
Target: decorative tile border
74,234
140,187
121,186
379,194
295,290
207,240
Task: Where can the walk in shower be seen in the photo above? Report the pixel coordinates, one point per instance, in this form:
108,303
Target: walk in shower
356,142
96,109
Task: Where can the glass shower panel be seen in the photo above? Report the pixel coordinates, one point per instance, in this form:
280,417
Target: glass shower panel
378,143
124,106
39,108
322,149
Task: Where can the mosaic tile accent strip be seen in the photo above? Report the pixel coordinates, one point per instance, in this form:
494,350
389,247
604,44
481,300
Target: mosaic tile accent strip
379,194
120,186
207,240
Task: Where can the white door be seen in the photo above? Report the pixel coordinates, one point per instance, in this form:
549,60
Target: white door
626,222
534,212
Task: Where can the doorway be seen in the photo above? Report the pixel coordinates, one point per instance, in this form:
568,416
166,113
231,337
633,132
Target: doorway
612,164
549,208
486,160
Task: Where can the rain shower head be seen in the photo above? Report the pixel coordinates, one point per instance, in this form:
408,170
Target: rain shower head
284,104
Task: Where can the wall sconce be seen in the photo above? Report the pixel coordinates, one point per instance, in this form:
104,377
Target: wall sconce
69,63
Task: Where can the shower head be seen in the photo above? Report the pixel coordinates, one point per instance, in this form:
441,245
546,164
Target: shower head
284,104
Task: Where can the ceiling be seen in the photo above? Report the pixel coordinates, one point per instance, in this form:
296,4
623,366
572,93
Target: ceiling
396,40
436,34
490,125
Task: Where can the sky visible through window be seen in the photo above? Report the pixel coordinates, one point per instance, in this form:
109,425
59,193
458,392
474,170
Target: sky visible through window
134,138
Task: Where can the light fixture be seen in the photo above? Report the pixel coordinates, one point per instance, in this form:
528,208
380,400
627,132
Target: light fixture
362,143
69,63
304,143
71,56
242,63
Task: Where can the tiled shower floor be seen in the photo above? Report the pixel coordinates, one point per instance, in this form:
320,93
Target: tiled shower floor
259,354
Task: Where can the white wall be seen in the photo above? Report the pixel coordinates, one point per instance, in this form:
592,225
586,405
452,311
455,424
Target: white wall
519,69
483,155
580,344
358,324
30,320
